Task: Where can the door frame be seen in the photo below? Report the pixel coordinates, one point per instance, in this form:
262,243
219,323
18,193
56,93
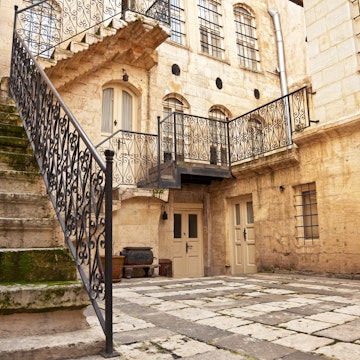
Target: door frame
188,207
231,223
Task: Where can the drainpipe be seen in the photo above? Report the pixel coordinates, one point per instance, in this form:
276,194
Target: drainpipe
282,71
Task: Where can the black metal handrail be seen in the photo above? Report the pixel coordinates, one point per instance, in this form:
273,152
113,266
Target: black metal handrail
46,24
135,156
269,127
77,179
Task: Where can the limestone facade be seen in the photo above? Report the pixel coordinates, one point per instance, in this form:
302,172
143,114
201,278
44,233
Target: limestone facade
321,51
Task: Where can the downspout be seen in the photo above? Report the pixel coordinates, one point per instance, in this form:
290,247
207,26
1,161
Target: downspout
282,71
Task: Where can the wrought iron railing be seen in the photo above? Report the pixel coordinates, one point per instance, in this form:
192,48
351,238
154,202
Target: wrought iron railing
77,179
46,24
135,159
185,137
195,139
269,127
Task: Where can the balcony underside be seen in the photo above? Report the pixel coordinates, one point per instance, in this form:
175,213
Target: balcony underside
172,174
131,42
267,163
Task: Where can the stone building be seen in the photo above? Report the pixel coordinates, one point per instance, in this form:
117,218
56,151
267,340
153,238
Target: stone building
239,184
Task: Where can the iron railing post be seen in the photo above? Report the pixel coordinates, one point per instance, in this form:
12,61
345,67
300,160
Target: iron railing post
13,41
109,351
159,152
175,140
228,143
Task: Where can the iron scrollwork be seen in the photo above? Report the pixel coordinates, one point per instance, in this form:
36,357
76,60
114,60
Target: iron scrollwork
73,171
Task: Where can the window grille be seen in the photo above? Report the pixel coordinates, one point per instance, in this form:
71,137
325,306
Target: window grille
247,48
218,135
211,39
307,223
356,17
177,21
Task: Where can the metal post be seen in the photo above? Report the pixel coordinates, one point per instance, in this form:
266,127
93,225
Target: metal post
109,351
159,152
228,142
175,140
12,49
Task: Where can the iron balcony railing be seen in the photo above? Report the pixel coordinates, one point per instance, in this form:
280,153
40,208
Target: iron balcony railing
135,159
149,160
196,139
269,127
190,138
78,180
47,24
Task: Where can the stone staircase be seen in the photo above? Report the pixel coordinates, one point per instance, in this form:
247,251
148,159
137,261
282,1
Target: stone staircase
41,301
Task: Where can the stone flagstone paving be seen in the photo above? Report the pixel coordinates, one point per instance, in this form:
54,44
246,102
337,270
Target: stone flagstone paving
258,316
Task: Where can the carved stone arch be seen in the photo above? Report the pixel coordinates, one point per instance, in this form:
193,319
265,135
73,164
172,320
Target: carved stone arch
219,112
175,102
245,7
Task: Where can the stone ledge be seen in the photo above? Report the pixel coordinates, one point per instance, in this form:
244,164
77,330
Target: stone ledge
42,297
280,159
30,265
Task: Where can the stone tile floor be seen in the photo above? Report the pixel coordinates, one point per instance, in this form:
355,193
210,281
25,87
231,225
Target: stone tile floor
258,316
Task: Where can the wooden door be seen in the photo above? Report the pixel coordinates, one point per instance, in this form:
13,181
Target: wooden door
187,243
243,236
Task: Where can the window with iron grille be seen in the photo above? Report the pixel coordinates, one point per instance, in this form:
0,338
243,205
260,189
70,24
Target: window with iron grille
246,41
356,17
218,135
307,223
177,21
210,18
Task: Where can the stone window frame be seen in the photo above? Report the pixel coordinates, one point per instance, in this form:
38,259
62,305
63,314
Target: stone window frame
306,206
177,21
211,29
246,38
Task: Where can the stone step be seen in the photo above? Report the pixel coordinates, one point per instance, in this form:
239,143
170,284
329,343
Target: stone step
15,144
47,321
13,181
9,115
12,130
14,204
36,265
17,161
57,346
29,233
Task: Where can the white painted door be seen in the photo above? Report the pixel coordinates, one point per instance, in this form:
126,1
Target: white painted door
243,236
187,243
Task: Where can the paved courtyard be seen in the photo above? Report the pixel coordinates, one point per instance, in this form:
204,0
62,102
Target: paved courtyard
260,316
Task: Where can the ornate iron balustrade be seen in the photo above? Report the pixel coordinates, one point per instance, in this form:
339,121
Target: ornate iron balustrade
155,9
135,159
185,137
46,24
269,127
77,179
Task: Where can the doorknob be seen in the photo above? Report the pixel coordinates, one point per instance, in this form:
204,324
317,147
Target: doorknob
244,233
188,247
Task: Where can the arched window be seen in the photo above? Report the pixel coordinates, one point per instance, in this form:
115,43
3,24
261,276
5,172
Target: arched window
255,132
211,28
246,40
117,109
177,19
173,104
218,134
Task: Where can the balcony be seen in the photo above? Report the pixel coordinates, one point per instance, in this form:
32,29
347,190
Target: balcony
195,149
71,39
